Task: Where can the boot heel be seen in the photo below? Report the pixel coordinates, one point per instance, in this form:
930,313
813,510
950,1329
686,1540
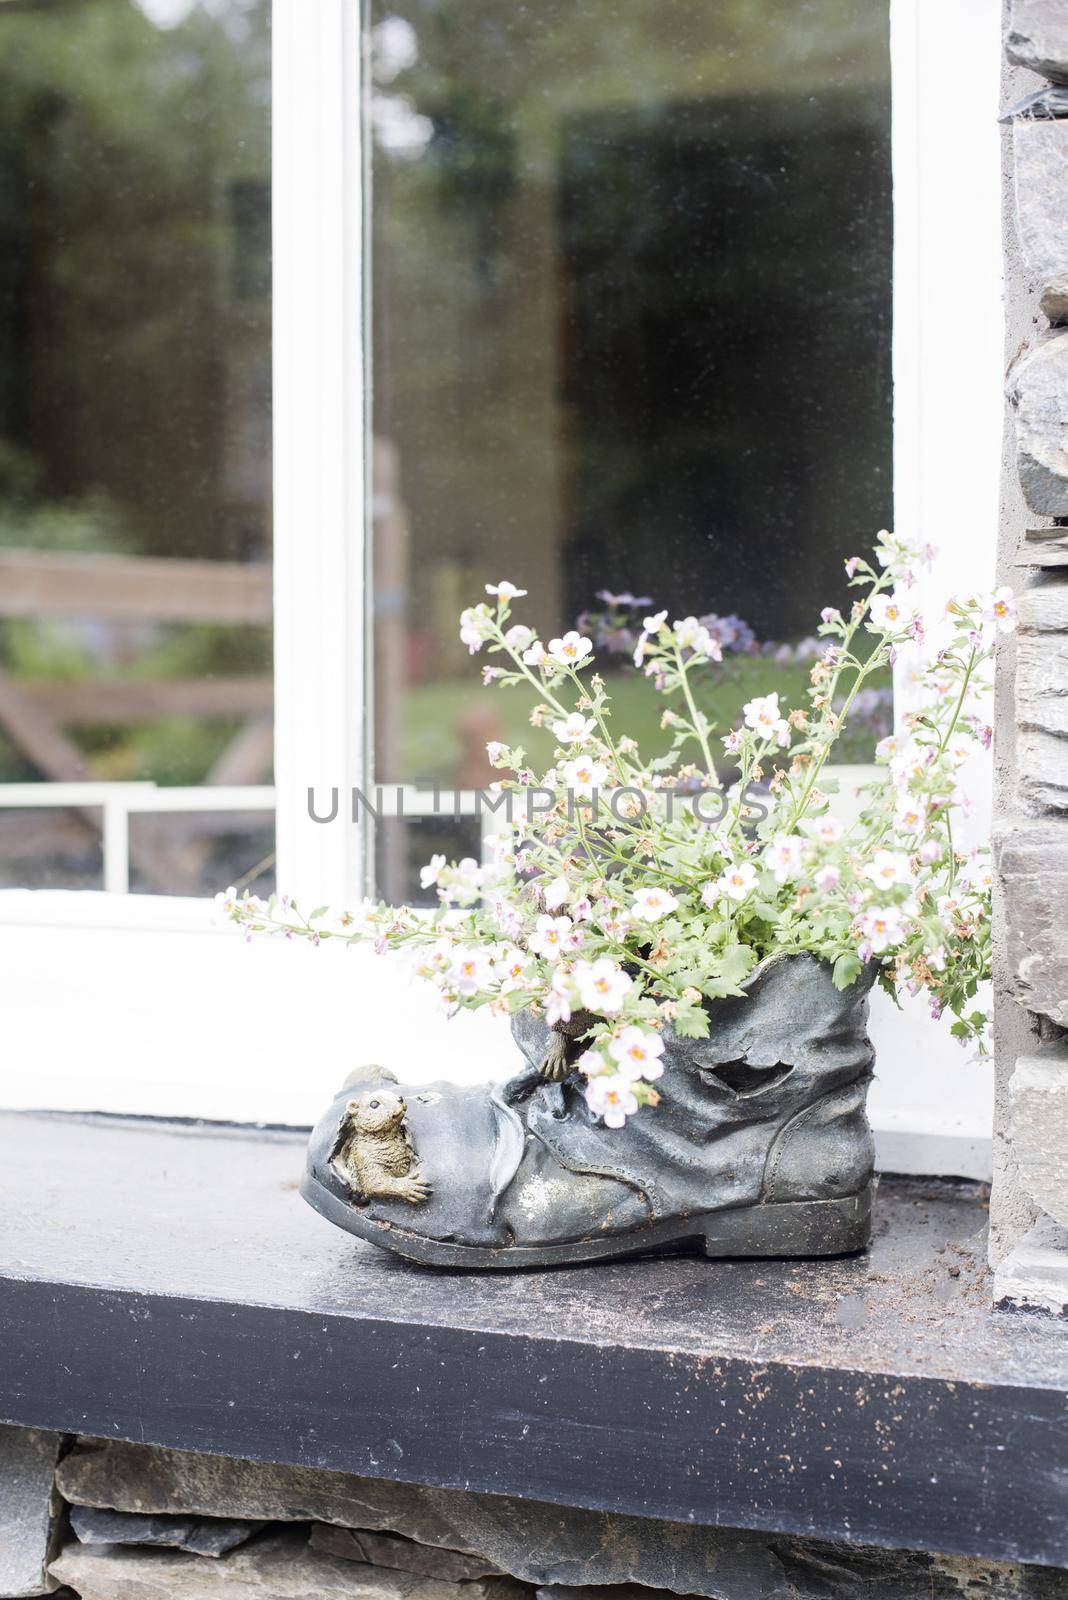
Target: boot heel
791,1228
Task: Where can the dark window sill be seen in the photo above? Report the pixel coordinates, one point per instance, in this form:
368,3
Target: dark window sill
164,1283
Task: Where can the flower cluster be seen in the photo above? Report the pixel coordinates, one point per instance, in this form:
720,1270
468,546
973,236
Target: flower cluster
648,888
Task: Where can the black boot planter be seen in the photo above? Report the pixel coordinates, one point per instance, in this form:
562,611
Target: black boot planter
760,1145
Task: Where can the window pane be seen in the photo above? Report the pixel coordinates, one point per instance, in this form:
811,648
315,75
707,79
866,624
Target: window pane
135,469
631,318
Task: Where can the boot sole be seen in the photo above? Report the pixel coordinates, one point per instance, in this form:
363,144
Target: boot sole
786,1228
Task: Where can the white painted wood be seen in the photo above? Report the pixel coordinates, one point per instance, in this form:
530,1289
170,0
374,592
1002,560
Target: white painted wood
129,1003
318,437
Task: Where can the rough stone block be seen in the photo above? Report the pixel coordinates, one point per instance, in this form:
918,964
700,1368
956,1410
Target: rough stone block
801,1570
1042,697
1038,1095
28,1509
279,1566
1044,547
1032,864
1037,37
1038,392
202,1536
404,1555
1034,1274
1040,155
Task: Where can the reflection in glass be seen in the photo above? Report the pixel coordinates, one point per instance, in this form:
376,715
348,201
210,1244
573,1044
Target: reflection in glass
631,321
135,469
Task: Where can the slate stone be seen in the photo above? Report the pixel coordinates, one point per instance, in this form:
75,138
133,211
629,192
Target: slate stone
204,1536
404,1555
1037,37
276,1566
1038,393
1032,864
1041,700
1040,157
1043,547
28,1509
1038,1096
1034,1274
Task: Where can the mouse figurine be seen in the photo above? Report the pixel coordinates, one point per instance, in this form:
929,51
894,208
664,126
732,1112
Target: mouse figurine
373,1154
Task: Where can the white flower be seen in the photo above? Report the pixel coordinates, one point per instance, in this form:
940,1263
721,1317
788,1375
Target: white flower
828,830
764,716
559,998
498,754
519,636
570,650
785,856
1001,609
827,878
931,851
638,1052
550,937
476,626
505,590
890,613
584,775
227,901
888,748
651,904
655,623
463,882
690,634
611,1098
556,893
888,867
949,908
977,876
881,927
536,656
510,967
430,875
736,883
602,985
910,813
936,958
469,970
574,728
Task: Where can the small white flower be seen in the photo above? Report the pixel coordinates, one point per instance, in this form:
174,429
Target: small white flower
226,902
536,655
505,590
785,856
764,716
931,851
570,650
655,623
430,875
602,985
497,753
584,775
936,958
558,1001
556,894
468,971
638,1053
611,1098
1001,609
550,937
828,830
827,878
887,868
910,813
476,626
887,748
881,927
890,613
690,634
519,636
736,882
651,904
574,728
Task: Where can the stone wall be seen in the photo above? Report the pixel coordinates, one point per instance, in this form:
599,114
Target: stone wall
1029,1208
122,1521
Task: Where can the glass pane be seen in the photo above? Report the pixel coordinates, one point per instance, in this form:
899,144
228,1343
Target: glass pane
135,467
631,319
402,846
51,848
202,850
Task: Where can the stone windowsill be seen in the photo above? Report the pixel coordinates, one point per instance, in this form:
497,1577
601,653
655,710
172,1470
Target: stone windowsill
164,1284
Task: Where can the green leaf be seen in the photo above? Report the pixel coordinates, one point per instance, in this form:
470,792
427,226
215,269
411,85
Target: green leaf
320,911
847,970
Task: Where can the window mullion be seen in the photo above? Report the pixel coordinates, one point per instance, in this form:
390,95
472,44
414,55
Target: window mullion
318,440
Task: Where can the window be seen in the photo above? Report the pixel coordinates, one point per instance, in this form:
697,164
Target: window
592,298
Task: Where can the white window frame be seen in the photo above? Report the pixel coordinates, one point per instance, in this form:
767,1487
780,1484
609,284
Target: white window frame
119,1041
